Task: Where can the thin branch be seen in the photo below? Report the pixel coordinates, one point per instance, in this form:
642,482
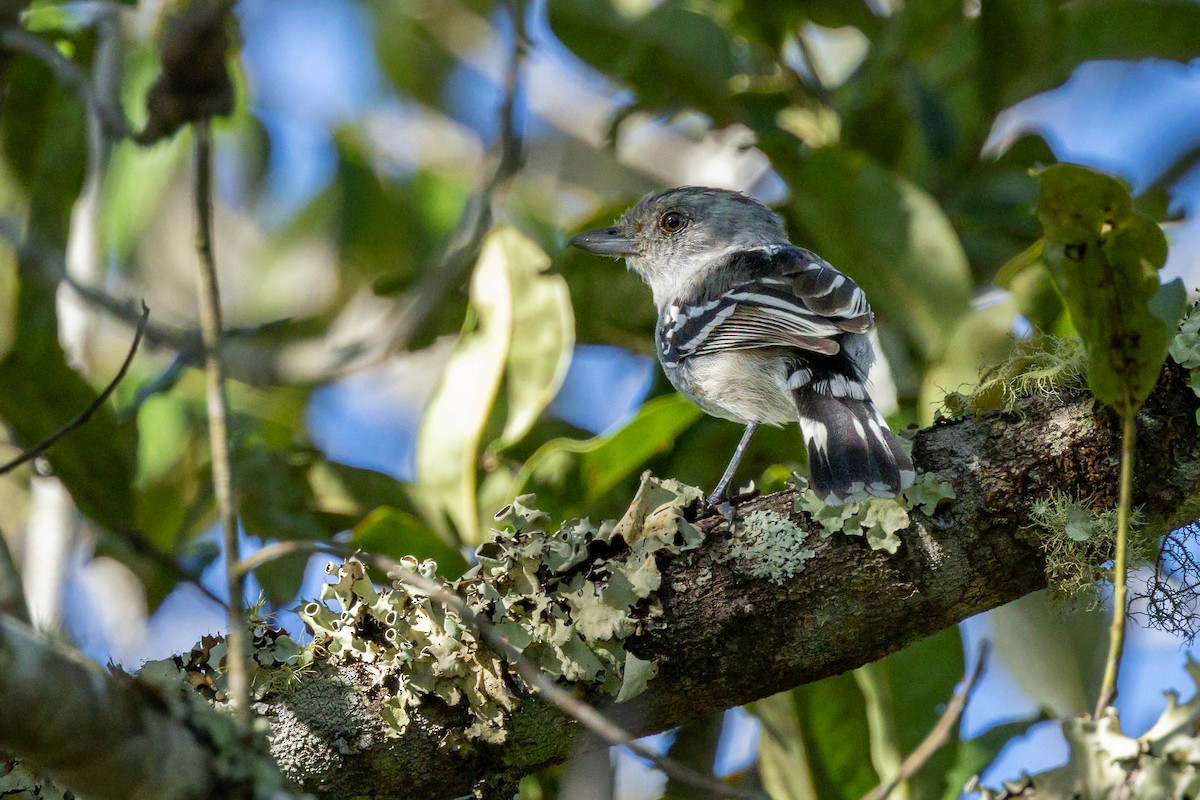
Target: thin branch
19,40
86,414
1116,643
467,239
12,592
938,735
218,427
569,704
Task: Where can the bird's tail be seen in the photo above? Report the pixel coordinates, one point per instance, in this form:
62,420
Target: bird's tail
851,450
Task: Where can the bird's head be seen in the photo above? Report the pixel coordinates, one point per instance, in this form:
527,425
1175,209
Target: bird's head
673,239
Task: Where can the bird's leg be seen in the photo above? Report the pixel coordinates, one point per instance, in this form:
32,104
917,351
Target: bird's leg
718,497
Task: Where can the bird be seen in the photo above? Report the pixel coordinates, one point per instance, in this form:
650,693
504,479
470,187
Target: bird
756,330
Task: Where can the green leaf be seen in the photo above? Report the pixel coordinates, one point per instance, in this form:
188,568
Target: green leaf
412,60
671,56
923,677
393,533
135,184
972,756
543,338
694,745
1105,259
890,237
8,300
42,133
453,427
815,743
981,338
1030,47
570,475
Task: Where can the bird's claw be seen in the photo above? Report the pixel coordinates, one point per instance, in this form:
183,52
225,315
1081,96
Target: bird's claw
723,504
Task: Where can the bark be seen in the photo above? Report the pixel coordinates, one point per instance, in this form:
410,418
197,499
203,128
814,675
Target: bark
730,638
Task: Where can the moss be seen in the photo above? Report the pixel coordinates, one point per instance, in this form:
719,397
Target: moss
1077,540
1043,365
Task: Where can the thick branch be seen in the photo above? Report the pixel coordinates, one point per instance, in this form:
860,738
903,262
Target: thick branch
729,638
65,715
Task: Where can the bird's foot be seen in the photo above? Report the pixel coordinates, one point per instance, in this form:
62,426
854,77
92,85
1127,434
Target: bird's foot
724,504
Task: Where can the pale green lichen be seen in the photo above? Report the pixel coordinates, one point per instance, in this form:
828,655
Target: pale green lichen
188,686
1042,365
1076,540
560,606
19,782
878,519
769,545
1164,762
1185,349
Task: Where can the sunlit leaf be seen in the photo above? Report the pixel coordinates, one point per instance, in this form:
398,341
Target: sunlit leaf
395,534
568,475
452,430
543,336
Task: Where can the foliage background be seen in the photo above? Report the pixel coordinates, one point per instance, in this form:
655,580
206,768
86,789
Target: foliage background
896,138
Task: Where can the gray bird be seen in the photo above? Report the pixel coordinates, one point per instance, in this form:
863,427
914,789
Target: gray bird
756,330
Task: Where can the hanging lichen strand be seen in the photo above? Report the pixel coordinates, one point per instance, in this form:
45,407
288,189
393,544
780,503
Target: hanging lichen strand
561,605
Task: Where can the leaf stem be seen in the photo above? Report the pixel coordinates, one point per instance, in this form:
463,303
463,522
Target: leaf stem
1116,641
218,426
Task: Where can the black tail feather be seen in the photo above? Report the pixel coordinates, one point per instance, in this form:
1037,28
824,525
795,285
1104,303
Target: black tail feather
851,450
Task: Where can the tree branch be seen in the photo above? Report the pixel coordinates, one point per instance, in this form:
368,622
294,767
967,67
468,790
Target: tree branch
729,638
86,414
218,427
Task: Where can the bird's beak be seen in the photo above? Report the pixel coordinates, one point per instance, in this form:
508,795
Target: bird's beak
605,242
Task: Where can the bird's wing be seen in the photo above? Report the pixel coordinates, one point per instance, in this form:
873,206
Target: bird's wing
780,297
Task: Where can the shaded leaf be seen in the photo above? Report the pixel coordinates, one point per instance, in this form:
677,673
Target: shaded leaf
815,743
695,745
671,56
890,237
972,756
1030,47
1105,260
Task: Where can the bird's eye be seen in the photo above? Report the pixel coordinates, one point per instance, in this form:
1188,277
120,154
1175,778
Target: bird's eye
672,222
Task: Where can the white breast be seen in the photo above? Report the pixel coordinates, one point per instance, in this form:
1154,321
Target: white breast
743,386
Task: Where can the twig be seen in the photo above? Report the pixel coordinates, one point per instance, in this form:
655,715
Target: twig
86,414
467,239
1116,636
19,40
938,734
12,593
218,428
566,702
